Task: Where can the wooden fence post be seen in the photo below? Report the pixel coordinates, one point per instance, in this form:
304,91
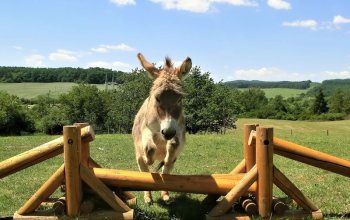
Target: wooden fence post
249,150
72,145
264,161
85,146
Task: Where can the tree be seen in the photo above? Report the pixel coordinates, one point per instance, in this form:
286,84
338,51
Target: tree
252,99
48,114
125,101
199,89
320,105
84,103
14,117
223,107
336,102
53,121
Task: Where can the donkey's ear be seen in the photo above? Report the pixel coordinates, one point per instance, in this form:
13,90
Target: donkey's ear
184,68
151,69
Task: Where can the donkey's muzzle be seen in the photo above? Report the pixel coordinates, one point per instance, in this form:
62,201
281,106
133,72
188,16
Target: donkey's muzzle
168,133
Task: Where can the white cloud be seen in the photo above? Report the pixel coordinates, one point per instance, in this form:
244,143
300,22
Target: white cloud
266,74
116,65
18,47
279,4
35,60
345,74
100,49
276,74
201,6
63,55
105,48
123,2
338,19
312,24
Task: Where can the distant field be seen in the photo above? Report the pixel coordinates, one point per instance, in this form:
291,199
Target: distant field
31,90
203,154
285,92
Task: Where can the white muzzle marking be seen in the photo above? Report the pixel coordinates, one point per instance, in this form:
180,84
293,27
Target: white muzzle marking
168,128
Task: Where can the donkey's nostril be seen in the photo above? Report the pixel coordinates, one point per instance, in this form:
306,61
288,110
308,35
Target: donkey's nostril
168,134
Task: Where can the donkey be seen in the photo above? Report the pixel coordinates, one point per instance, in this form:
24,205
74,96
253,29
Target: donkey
159,125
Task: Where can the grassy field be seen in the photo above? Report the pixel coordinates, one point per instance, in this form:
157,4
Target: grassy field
31,90
285,92
212,153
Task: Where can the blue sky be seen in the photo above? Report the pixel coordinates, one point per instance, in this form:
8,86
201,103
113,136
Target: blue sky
232,39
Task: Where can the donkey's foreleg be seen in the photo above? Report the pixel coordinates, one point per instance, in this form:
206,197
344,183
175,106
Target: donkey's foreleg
144,168
148,147
172,148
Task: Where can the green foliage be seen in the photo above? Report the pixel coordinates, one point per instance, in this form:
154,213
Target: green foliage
223,107
252,99
14,117
199,90
67,74
339,102
208,106
124,102
319,105
329,87
48,114
84,103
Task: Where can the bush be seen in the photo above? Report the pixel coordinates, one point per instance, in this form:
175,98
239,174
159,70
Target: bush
14,117
328,117
53,122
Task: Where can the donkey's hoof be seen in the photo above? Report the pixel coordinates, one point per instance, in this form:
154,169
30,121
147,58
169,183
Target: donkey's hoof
166,198
148,200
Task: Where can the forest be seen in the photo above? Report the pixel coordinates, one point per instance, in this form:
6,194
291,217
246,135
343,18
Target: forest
94,75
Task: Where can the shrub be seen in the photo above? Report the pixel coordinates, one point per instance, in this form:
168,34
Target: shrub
14,117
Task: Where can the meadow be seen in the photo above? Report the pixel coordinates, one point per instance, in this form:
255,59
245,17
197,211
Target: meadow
204,154
32,90
285,92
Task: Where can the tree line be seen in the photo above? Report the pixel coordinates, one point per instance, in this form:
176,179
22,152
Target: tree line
269,84
94,75
331,86
208,106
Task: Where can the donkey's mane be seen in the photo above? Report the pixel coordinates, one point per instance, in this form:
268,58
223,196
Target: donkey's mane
167,81
168,63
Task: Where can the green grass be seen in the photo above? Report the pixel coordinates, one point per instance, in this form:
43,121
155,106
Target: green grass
203,154
32,90
285,92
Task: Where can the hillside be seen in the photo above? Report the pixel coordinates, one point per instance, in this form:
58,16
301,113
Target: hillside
269,84
329,87
284,92
32,90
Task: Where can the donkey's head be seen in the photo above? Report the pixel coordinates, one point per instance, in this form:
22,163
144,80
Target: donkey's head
164,113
